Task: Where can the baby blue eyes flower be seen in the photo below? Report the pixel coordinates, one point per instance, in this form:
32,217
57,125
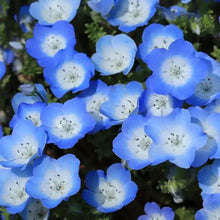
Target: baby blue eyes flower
176,71
72,72
132,144
110,192
54,180
123,101
2,69
175,137
158,36
130,14
26,143
35,210
50,11
66,123
114,54
48,40
211,208
153,212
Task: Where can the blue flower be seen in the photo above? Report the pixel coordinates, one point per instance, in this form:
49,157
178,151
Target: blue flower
2,69
153,211
94,97
175,137
49,40
211,127
39,94
101,6
1,131
12,190
209,179
110,192
72,72
50,11
66,123
132,144
114,54
213,107
123,100
158,36
26,143
176,71
185,1
151,103
130,14
54,180
35,210
211,208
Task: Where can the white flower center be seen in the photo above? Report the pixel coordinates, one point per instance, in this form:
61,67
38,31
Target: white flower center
139,144
176,71
34,117
157,217
56,10
70,75
93,106
36,210
1,56
160,105
52,44
66,126
161,42
112,193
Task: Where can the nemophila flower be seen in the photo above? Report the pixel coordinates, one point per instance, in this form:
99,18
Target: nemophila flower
209,179
66,123
213,107
101,6
210,210
50,11
35,93
176,71
2,69
48,40
72,72
153,211
35,210
110,192
1,131
24,144
175,137
211,126
12,191
151,103
130,14
123,100
114,54
54,180
132,144
30,112
185,1
208,89
158,36
94,97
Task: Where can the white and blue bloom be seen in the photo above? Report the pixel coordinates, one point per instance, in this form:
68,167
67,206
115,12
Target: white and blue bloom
213,107
24,144
72,72
132,144
12,191
211,126
158,36
151,103
175,137
94,97
210,210
1,131
209,179
130,14
101,6
48,40
48,12
35,210
114,54
66,123
176,71
110,192
54,180
123,100
153,212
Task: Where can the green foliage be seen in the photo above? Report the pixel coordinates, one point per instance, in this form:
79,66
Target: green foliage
184,214
216,53
4,6
4,213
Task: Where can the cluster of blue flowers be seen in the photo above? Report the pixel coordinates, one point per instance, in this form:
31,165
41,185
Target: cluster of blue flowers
173,116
